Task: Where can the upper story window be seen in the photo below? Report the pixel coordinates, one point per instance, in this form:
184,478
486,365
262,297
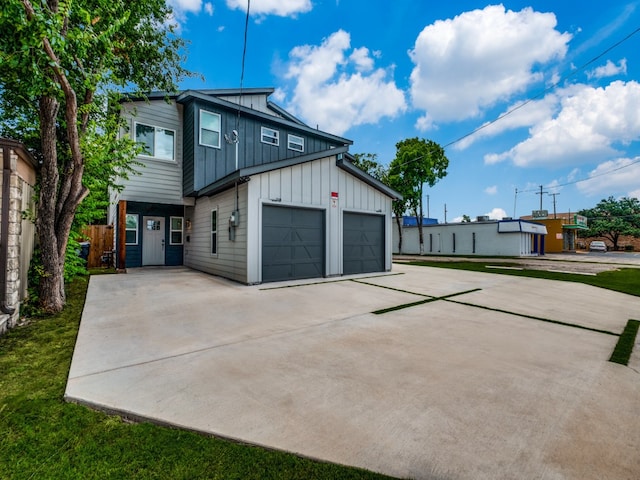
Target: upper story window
209,129
270,136
157,142
295,143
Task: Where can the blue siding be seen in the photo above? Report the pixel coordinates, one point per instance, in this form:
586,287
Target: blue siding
173,253
205,165
188,150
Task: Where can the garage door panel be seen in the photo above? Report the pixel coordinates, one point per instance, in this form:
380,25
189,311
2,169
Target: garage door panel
293,243
363,243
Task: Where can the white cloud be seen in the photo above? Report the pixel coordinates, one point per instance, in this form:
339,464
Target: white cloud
362,59
497,214
331,90
492,190
192,6
610,69
519,115
635,194
183,7
281,8
470,62
591,123
425,123
619,177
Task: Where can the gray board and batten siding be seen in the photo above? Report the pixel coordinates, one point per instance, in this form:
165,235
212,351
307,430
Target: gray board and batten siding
204,165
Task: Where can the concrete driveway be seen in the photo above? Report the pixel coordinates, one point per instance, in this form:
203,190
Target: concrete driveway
470,382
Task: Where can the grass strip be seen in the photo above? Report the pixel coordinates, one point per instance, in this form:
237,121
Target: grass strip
622,352
42,436
624,280
420,302
533,317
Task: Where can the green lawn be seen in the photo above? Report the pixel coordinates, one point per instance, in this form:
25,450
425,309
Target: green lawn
43,437
625,280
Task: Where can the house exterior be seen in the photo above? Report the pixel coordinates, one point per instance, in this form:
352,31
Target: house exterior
17,234
233,185
513,238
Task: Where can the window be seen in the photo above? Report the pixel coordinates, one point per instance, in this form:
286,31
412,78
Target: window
131,229
295,143
214,232
175,234
270,136
157,142
209,129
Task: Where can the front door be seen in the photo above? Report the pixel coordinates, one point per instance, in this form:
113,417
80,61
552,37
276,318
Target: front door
153,241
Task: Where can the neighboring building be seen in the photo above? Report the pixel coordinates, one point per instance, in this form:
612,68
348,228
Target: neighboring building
233,185
561,231
17,234
411,221
512,238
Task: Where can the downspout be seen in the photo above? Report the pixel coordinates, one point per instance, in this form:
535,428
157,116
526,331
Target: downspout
4,228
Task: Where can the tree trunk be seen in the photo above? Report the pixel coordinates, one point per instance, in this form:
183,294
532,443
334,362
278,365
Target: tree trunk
52,296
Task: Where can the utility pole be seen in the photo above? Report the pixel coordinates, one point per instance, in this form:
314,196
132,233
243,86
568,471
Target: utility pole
541,193
428,216
554,203
515,201
445,213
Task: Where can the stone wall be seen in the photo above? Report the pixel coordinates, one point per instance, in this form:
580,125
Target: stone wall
14,276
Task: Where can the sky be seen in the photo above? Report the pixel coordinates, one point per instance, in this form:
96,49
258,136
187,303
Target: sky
521,94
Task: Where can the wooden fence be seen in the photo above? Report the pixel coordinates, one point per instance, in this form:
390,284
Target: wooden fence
102,244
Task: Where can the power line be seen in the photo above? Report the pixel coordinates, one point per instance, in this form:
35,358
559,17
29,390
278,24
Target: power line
583,179
244,56
545,91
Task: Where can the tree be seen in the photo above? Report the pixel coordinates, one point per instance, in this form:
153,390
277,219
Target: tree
368,162
611,218
417,162
466,219
62,65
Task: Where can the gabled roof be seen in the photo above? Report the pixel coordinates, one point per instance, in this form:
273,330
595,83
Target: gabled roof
288,121
242,175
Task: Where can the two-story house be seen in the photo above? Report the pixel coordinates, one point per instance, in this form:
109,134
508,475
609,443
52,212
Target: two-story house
233,185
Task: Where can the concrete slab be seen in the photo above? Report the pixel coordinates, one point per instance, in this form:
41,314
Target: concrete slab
436,391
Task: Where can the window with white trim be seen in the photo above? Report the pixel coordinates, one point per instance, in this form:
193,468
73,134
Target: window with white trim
214,232
131,229
270,136
157,142
175,230
210,129
295,143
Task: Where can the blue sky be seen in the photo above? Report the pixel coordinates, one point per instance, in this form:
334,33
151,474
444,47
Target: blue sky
377,72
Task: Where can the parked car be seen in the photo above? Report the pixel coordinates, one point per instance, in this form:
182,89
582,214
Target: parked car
597,246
